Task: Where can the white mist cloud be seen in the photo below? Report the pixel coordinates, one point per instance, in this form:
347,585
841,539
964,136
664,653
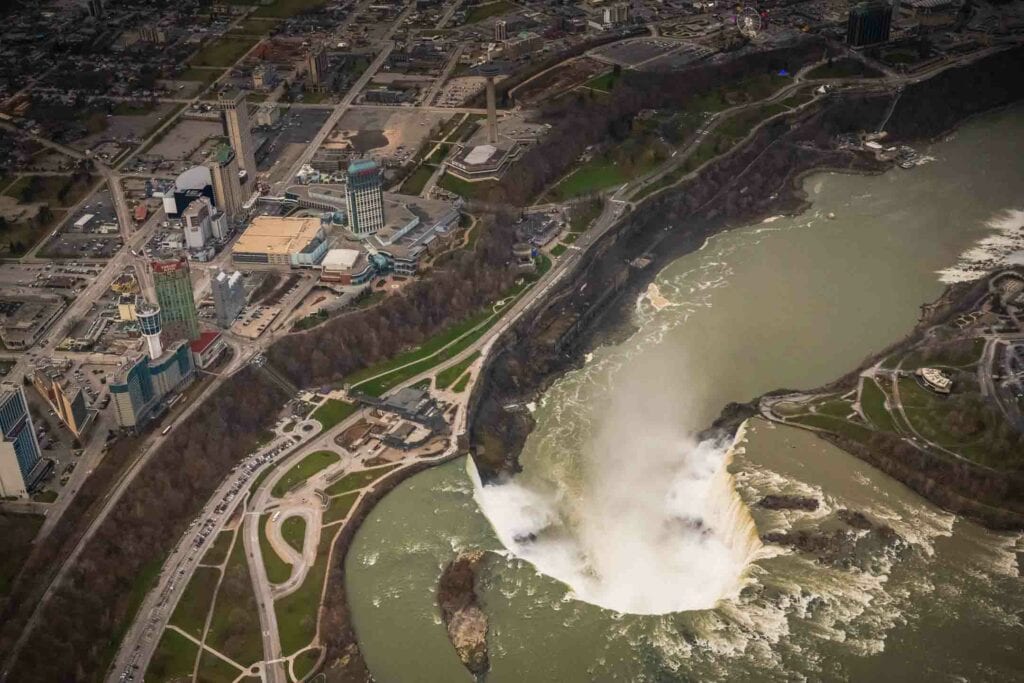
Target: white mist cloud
656,525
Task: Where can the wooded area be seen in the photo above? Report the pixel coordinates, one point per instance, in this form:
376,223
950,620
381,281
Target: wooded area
83,622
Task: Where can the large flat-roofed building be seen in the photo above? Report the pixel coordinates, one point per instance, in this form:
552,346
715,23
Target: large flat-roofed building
281,242
364,198
21,467
140,385
66,397
23,320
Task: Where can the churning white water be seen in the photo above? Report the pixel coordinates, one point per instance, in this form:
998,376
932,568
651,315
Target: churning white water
1003,245
655,526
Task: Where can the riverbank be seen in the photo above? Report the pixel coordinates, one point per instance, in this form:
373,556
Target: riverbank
982,481
749,184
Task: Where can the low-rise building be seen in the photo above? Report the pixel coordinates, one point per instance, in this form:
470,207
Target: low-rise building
935,379
24,319
347,267
207,349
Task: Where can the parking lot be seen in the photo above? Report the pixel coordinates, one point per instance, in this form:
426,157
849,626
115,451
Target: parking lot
633,52
98,237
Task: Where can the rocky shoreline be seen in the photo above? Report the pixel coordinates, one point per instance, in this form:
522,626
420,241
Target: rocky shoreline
753,182
464,618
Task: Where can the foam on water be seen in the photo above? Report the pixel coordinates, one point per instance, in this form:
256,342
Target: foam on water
1002,246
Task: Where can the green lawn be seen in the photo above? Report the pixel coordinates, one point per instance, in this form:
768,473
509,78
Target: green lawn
303,664
438,155
834,424
174,659
464,189
485,11
558,250
339,507
461,384
190,614
872,402
303,470
224,51
466,128
417,180
447,376
835,406
424,350
956,354
235,626
213,669
585,213
357,480
593,176
218,550
605,82
297,612
333,412
293,531
278,571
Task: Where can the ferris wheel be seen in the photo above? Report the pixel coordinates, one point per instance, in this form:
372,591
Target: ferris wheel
748,21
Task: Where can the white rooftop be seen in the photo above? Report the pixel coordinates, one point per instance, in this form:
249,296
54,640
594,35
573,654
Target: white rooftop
340,259
480,154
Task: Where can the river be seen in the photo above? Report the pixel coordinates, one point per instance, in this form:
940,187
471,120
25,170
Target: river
625,551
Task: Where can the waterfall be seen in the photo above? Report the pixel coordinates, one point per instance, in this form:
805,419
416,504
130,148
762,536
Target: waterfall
665,533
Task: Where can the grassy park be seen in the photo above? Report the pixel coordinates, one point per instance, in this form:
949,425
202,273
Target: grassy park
303,470
174,659
339,507
234,628
224,51
293,531
297,612
357,480
333,412
277,569
194,605
446,377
